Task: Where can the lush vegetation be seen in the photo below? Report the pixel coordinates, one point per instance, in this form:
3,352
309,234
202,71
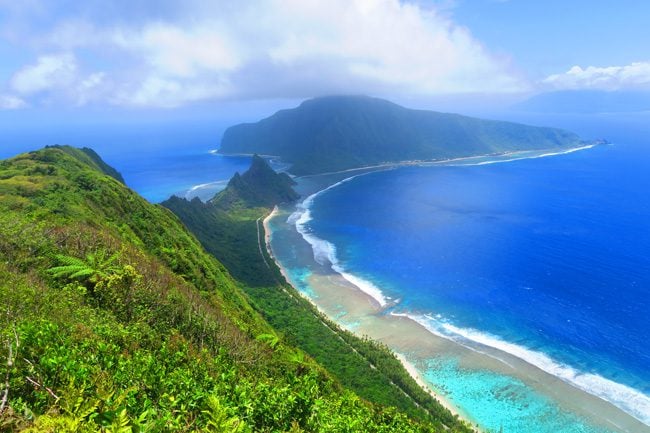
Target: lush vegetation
114,318
342,132
228,225
91,158
231,236
259,186
362,365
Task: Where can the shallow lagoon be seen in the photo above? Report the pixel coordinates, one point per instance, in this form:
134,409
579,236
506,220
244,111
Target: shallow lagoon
459,285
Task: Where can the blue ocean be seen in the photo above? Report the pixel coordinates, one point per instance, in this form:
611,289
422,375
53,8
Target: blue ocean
545,258
156,158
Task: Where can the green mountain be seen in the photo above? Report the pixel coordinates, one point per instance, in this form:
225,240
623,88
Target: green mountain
342,132
226,221
91,158
259,186
114,318
233,234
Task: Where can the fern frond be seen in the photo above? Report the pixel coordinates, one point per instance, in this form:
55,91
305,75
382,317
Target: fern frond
271,339
121,423
86,272
60,271
69,260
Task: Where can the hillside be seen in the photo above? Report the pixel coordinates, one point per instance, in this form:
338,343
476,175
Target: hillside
91,158
342,132
226,223
259,186
113,318
236,237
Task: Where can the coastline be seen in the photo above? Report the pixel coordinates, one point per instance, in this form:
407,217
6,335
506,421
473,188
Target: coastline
415,374
525,154
357,310
267,242
408,366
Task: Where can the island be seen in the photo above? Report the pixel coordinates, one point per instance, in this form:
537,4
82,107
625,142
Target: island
337,133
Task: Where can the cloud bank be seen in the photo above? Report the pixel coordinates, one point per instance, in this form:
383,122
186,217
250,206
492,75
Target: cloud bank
179,53
49,72
635,76
8,102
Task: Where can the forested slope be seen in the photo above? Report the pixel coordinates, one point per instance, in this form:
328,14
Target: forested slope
343,132
114,318
229,226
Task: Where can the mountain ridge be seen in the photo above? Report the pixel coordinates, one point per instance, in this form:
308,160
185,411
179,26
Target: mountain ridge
259,186
114,318
343,132
234,235
227,220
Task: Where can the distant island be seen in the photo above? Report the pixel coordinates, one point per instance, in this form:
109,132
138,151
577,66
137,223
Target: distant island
342,132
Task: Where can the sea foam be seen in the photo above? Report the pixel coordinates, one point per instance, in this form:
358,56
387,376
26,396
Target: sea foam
519,158
626,398
209,187
324,251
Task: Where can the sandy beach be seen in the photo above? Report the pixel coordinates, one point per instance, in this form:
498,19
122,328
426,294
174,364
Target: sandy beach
373,306
417,346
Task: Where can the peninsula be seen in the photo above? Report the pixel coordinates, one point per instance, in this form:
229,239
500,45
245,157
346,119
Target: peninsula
343,132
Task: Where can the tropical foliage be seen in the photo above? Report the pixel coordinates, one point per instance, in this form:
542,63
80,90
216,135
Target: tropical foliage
113,318
234,235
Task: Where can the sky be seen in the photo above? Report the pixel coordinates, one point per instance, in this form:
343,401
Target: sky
136,56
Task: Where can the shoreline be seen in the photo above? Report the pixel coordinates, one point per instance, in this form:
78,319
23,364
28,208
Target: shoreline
433,162
358,311
408,366
415,374
267,244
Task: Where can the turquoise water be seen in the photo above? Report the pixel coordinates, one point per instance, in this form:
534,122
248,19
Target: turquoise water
497,402
500,402
545,259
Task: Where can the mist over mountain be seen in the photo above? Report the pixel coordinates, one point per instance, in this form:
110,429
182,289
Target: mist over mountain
342,132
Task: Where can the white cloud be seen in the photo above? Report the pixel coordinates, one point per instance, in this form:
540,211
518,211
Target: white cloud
301,48
9,102
58,76
92,81
388,43
633,76
87,88
181,52
162,92
49,72
268,49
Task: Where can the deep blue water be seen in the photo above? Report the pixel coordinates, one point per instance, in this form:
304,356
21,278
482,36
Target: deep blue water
159,175
157,159
552,254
